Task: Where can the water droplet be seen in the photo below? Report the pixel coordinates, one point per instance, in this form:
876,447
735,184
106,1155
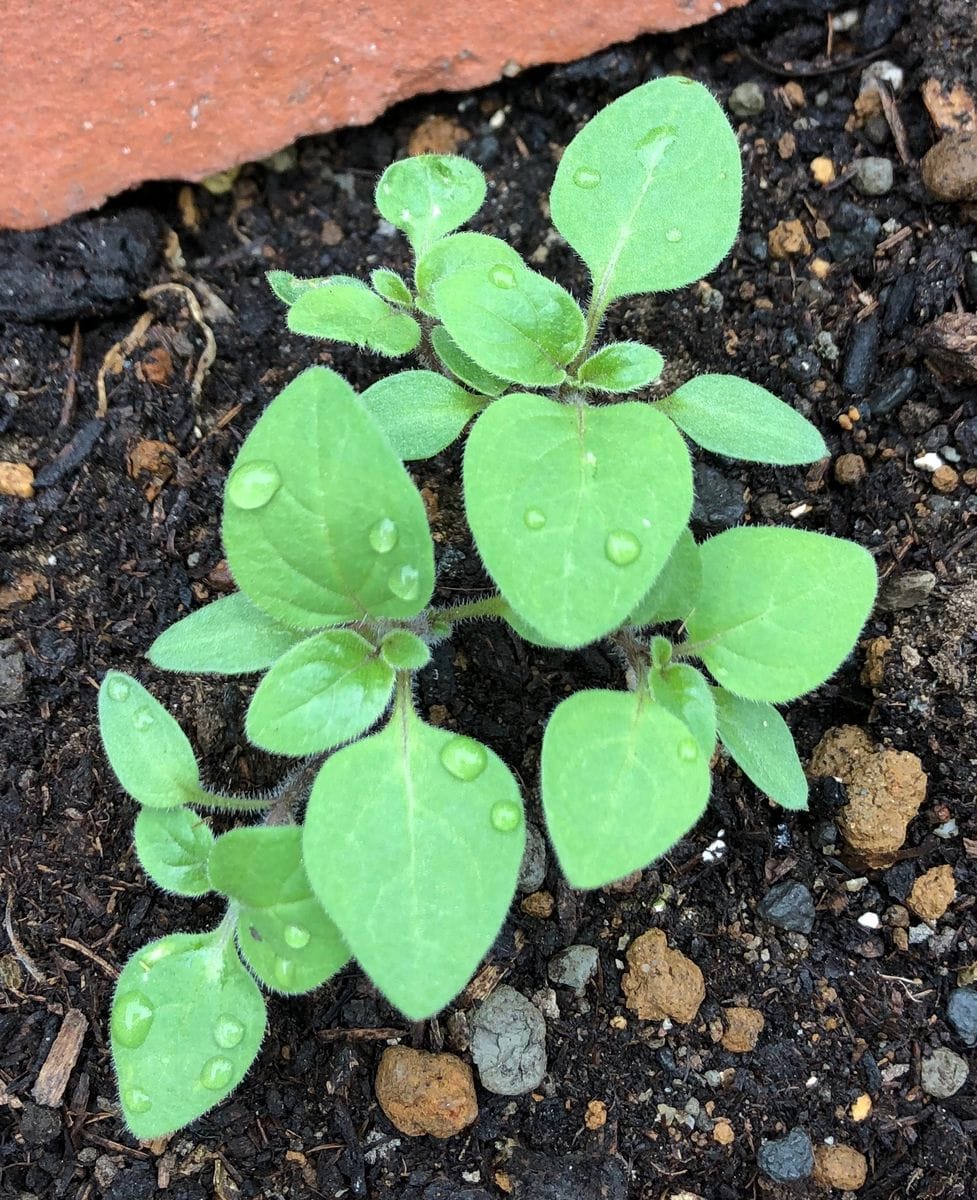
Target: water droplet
404,582
136,1100
651,148
503,276
673,235
253,484
383,535
622,547
505,816
142,718
118,689
228,1031
688,751
464,758
586,178
533,518
296,936
216,1073
285,971
132,1015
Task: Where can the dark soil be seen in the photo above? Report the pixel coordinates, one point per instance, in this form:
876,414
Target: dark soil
92,569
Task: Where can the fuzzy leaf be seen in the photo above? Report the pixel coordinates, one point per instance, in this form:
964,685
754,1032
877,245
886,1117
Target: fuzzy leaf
761,745
405,651
461,252
466,369
674,593
350,312
390,286
230,636
683,691
173,846
421,412
621,367
429,195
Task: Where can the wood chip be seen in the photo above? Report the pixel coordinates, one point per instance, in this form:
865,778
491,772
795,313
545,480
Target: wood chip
60,1062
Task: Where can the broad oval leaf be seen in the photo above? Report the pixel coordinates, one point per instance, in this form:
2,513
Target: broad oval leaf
737,418
413,841
321,693
322,523
391,286
283,933
460,252
230,636
673,594
173,846
350,312
575,509
421,412
621,367
187,1022
405,651
684,692
147,749
780,609
429,195
762,746
467,369
515,323
622,780
648,192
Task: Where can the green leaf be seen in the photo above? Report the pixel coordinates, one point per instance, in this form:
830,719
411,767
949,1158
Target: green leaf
675,591
575,510
350,312
421,412
461,252
147,749
622,780
737,418
286,286
429,195
230,636
285,937
391,287
405,651
173,846
621,367
467,370
322,523
323,692
526,631
780,609
683,691
513,322
757,737
187,1023
413,840
648,192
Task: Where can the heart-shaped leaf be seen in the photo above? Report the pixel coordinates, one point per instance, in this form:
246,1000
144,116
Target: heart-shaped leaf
173,845
230,636
429,195
757,737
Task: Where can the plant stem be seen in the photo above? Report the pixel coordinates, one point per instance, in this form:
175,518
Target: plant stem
230,803
491,606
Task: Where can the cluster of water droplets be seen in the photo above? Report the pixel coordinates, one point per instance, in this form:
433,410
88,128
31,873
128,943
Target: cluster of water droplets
466,759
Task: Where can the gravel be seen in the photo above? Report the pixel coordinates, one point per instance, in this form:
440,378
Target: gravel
874,176
961,1011
509,1043
789,905
533,869
944,1073
747,100
573,967
787,1159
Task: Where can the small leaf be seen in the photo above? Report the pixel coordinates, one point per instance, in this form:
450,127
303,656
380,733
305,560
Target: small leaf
621,367
648,192
429,195
391,287
230,636
321,693
757,737
737,418
285,937
515,323
467,370
674,593
322,523
622,780
405,651
421,412
683,691
173,846
780,609
413,840
187,1023
286,286
147,749
461,252
575,510
350,312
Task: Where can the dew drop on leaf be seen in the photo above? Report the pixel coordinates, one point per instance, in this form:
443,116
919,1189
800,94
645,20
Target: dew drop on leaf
688,751
285,971
503,276
505,816
296,936
132,1016
464,758
383,535
118,690
253,484
216,1073
228,1031
533,518
651,149
622,547
673,235
142,718
586,177
137,1101
404,582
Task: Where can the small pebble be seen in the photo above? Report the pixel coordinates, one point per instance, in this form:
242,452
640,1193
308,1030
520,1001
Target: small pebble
533,869
907,590
788,1159
943,1074
873,176
823,170
509,1043
946,480
893,391
747,100
949,168
965,435
841,1167
882,71
870,920
861,356
573,967
718,499
850,469
961,1011
789,905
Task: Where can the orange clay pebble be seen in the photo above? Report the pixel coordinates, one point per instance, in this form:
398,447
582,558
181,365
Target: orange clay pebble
823,170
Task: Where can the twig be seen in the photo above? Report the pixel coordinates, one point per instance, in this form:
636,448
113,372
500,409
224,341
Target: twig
25,959
71,386
209,352
107,967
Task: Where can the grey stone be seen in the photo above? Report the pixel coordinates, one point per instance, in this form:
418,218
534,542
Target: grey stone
861,356
509,1043
854,232
789,905
12,677
787,1159
908,590
573,967
874,176
533,869
893,391
961,1011
718,499
38,1124
965,436
747,100
943,1074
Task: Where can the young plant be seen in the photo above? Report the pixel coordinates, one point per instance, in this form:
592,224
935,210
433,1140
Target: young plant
395,842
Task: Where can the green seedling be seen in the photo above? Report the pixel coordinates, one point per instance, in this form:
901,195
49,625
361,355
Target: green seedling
393,842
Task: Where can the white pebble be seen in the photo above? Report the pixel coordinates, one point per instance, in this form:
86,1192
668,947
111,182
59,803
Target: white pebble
870,920
928,462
